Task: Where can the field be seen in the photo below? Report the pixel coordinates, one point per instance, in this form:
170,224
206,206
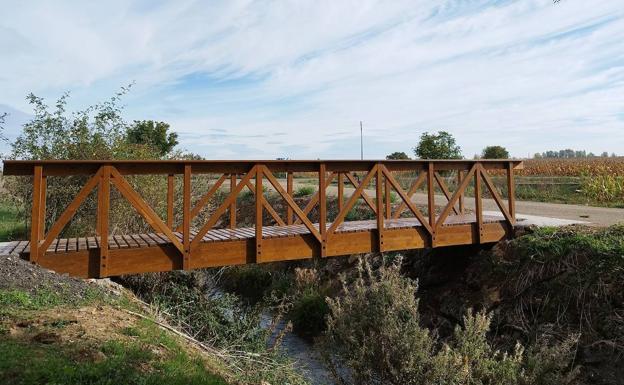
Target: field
591,181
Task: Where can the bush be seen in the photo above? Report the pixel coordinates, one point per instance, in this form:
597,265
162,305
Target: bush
251,282
373,331
304,191
308,313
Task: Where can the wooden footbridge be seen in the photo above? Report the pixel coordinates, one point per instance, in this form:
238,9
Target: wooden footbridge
193,245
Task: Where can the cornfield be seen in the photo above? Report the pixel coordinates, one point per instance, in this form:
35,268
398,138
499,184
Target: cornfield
580,167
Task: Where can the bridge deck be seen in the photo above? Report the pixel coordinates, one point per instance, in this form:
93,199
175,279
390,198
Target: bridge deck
220,247
66,245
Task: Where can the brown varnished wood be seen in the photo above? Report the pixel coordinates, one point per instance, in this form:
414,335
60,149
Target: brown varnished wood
259,205
266,205
407,201
201,203
497,198
417,183
186,217
103,217
223,207
363,193
478,202
142,207
164,250
314,200
323,208
289,191
233,206
291,203
459,192
35,218
170,195
351,202
163,167
445,190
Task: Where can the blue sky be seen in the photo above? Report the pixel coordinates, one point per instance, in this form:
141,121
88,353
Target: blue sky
267,79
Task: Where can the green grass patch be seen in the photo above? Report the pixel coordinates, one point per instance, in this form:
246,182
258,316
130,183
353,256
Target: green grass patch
114,362
304,191
12,224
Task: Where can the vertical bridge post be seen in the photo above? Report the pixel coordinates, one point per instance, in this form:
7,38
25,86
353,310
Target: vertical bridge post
259,203
170,191
431,201
36,213
323,208
289,191
103,196
380,206
233,206
186,218
478,203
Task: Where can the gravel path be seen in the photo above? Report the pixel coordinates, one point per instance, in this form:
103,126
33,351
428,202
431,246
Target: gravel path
601,216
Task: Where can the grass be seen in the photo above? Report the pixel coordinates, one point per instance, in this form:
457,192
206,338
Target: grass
12,224
142,354
115,362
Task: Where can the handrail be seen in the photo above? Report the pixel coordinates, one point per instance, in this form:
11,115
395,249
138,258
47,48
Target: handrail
377,175
136,167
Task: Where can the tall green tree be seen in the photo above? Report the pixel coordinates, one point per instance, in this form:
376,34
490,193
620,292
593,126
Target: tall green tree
397,155
438,146
153,134
495,152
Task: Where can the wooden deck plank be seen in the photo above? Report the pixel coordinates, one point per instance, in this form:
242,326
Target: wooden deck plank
130,241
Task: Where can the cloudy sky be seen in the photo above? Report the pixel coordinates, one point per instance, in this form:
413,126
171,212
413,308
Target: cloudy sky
266,79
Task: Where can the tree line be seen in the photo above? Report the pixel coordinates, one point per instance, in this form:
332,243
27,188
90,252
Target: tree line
442,145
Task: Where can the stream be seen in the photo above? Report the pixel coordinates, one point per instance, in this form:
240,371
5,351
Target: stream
302,352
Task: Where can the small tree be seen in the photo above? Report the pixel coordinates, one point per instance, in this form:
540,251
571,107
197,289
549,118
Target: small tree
438,146
495,152
153,134
2,121
398,155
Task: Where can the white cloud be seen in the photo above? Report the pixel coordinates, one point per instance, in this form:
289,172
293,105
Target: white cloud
527,74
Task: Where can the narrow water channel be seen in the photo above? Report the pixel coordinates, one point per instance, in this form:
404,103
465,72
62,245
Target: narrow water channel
302,352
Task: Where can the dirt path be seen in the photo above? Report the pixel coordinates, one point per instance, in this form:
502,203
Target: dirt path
602,216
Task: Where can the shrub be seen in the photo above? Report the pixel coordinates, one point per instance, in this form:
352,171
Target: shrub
373,331
308,313
249,281
304,191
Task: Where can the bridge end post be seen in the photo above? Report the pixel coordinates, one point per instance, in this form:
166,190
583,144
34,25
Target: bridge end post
186,218
478,203
103,208
380,206
35,217
259,212
323,208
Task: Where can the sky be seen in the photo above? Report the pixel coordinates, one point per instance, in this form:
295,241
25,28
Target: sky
266,79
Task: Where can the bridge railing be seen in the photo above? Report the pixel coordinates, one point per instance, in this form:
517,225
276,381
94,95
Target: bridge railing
404,178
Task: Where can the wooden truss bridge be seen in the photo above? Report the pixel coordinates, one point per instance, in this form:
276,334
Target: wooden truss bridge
193,245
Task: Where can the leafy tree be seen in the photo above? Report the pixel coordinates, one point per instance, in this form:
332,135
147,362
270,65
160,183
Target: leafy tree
153,134
2,120
398,155
438,146
495,152
97,132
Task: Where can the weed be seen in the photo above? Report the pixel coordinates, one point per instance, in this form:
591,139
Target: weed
304,191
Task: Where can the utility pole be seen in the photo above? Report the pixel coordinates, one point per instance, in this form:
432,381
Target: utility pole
361,142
